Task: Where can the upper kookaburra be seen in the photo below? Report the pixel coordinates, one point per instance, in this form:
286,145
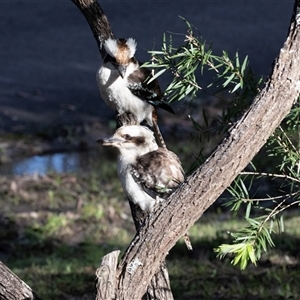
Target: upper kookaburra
122,84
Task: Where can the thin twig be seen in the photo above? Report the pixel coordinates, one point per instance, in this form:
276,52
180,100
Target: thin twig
271,175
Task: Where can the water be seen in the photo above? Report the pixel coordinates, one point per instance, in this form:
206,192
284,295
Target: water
59,163
67,162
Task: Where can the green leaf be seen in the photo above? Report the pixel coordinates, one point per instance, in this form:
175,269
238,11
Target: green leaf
262,242
156,75
281,224
237,61
237,86
244,65
245,190
229,79
248,210
251,254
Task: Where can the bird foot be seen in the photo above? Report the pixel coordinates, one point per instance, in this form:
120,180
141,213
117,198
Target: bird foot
126,119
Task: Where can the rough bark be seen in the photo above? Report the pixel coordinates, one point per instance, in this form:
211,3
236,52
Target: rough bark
159,287
12,287
96,19
106,276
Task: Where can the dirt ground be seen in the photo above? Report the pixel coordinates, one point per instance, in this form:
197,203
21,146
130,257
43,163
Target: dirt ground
49,58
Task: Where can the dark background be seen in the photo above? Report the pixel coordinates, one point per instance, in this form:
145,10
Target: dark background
49,58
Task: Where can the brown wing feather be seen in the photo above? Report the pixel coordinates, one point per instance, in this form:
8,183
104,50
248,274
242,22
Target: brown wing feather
150,92
159,172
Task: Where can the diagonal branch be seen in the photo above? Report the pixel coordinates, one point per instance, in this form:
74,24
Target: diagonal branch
97,20
13,288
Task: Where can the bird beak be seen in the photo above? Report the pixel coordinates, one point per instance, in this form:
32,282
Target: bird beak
122,70
110,141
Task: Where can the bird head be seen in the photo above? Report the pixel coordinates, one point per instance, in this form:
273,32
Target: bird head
132,141
122,53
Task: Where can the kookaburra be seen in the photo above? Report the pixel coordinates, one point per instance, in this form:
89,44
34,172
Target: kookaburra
123,84
148,173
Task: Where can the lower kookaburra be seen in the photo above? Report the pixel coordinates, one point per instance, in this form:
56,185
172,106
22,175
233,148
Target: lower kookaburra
123,87
148,173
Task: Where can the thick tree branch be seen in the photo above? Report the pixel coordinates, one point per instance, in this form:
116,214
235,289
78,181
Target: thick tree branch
97,20
159,287
106,276
12,287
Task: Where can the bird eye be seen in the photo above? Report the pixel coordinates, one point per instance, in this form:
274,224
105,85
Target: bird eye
127,137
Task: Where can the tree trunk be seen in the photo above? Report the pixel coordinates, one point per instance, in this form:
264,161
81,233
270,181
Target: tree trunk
12,287
97,21
105,276
159,287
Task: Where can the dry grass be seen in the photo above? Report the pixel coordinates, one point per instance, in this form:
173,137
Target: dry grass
55,229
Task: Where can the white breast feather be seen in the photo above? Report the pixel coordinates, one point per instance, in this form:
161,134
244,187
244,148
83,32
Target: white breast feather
133,190
116,95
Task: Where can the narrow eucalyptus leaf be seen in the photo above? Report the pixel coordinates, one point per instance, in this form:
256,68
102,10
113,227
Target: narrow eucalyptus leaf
244,65
237,61
230,78
281,224
156,75
248,210
237,86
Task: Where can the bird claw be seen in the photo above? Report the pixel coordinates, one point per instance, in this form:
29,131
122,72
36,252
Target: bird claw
126,118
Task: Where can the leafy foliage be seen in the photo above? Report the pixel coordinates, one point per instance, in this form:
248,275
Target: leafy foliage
283,144
187,63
